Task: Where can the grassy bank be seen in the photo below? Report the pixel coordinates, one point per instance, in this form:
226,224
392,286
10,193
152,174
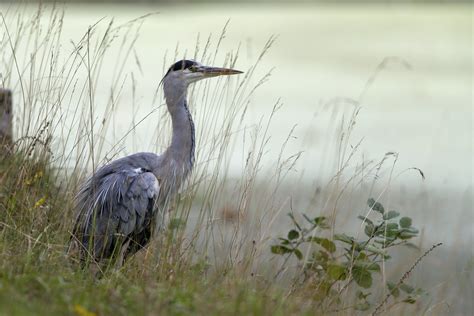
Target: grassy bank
175,277
37,277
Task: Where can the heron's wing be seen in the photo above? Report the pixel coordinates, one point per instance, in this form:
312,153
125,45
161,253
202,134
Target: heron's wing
115,208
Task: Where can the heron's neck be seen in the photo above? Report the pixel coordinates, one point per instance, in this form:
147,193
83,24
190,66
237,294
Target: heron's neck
181,150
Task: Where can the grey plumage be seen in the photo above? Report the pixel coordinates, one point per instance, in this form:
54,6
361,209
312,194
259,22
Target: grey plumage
123,202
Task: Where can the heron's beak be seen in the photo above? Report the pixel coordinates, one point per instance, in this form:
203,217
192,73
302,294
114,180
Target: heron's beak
216,71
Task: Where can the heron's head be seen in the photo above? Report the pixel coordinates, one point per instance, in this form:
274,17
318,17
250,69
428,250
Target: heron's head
189,71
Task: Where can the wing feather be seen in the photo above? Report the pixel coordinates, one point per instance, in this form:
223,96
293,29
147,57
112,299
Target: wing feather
113,208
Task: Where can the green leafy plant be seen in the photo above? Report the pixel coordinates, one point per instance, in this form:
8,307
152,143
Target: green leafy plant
332,265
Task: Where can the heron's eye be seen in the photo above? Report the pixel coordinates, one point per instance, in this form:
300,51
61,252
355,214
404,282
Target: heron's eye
192,68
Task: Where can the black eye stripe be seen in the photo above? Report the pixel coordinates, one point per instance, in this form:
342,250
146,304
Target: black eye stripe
182,64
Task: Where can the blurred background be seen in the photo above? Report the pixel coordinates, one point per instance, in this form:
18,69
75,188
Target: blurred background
407,64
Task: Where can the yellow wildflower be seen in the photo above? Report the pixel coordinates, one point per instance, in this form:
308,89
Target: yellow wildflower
81,311
40,202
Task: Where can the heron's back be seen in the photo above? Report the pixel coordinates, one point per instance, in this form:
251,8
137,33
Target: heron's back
117,206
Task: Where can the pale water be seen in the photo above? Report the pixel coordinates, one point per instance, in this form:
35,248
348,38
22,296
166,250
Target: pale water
326,52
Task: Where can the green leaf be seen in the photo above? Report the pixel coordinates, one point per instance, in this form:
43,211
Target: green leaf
373,267
336,272
411,245
361,295
409,300
376,206
298,254
362,277
390,215
390,231
407,288
362,256
368,265
412,230
369,230
321,257
359,246
293,234
365,219
390,235
344,238
280,250
392,226
362,306
328,245
382,242
320,221
325,243
405,222
392,287
407,235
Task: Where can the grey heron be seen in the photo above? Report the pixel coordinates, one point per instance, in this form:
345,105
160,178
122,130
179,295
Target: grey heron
117,206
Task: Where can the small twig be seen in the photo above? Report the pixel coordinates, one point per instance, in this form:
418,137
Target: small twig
405,276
